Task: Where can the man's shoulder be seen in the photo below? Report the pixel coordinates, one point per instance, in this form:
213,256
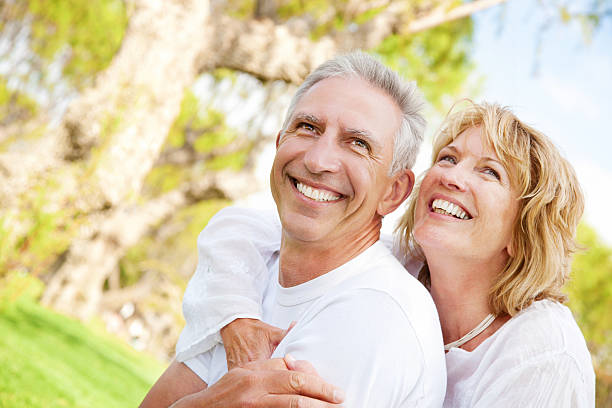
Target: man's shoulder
382,307
380,270
379,279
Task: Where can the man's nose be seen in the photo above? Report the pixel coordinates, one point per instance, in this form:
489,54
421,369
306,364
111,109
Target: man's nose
323,154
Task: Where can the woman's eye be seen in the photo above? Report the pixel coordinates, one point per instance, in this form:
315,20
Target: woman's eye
492,172
447,158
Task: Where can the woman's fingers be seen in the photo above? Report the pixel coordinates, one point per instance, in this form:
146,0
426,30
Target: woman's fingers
311,385
303,379
298,383
299,365
295,401
274,387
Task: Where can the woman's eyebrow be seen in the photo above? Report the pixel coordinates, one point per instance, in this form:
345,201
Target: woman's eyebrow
450,147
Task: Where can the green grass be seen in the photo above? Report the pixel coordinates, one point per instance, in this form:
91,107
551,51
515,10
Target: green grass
49,360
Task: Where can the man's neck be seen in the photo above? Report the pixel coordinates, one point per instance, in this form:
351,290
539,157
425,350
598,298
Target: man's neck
303,261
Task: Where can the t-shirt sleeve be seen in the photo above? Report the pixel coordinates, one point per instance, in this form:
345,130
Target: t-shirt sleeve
553,380
201,364
362,342
234,251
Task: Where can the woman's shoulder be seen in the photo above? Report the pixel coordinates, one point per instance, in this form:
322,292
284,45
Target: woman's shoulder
544,330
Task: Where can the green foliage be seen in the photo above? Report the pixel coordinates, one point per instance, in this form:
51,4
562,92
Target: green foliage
316,8
589,15
45,231
152,253
49,360
590,298
91,30
205,129
590,289
7,243
19,286
165,178
240,8
199,132
438,59
14,105
232,161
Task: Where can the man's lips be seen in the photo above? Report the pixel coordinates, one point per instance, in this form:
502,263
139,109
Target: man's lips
314,193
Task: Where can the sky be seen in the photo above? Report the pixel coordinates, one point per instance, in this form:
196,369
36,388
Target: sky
563,88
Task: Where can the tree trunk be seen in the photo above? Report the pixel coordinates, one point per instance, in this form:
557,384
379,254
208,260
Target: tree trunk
112,135
76,287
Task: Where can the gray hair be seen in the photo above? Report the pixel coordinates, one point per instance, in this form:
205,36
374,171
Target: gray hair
409,136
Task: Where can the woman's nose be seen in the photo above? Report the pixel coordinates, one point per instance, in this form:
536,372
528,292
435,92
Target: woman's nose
454,178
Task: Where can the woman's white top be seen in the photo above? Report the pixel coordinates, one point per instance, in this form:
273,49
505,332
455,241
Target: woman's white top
537,359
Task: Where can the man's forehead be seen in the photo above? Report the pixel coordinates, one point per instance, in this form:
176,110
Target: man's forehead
352,101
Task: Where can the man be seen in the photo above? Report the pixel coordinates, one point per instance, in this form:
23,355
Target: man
342,163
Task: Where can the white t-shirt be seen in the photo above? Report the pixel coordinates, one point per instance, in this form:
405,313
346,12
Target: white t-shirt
225,288
367,327
537,359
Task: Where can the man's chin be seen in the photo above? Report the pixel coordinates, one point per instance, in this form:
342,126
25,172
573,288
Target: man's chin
308,231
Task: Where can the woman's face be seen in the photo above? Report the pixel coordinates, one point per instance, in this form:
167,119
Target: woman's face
466,205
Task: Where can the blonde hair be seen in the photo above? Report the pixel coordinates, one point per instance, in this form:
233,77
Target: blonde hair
550,206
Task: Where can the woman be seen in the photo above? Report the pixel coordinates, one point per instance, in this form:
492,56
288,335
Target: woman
493,222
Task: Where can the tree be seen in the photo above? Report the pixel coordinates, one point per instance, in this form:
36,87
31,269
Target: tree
77,197
590,298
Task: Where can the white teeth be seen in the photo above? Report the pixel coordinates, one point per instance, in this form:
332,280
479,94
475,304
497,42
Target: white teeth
315,194
448,208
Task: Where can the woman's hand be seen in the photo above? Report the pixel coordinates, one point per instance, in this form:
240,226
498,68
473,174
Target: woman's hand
247,340
277,383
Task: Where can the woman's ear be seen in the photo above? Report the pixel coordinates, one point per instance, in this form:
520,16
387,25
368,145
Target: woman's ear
398,190
510,248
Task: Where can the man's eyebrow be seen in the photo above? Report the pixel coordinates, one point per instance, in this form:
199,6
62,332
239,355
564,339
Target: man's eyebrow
307,117
365,135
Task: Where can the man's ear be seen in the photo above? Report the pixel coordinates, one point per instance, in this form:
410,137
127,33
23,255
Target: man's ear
278,136
397,191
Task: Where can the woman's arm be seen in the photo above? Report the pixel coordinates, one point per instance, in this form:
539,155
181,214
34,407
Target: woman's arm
282,383
234,253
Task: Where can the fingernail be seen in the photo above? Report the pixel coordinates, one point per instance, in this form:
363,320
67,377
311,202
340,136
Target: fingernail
338,395
290,360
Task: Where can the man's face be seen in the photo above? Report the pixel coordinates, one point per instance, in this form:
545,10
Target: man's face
332,163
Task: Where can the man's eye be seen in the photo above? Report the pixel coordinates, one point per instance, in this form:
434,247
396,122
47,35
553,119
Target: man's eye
306,126
361,144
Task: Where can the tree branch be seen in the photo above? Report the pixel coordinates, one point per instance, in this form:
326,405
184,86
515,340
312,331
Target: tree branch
272,51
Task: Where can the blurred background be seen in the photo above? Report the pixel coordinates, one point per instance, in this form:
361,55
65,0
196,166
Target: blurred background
126,124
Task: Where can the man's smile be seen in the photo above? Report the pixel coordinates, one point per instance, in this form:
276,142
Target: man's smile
314,193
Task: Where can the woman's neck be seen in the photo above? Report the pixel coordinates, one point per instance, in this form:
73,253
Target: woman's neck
460,288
